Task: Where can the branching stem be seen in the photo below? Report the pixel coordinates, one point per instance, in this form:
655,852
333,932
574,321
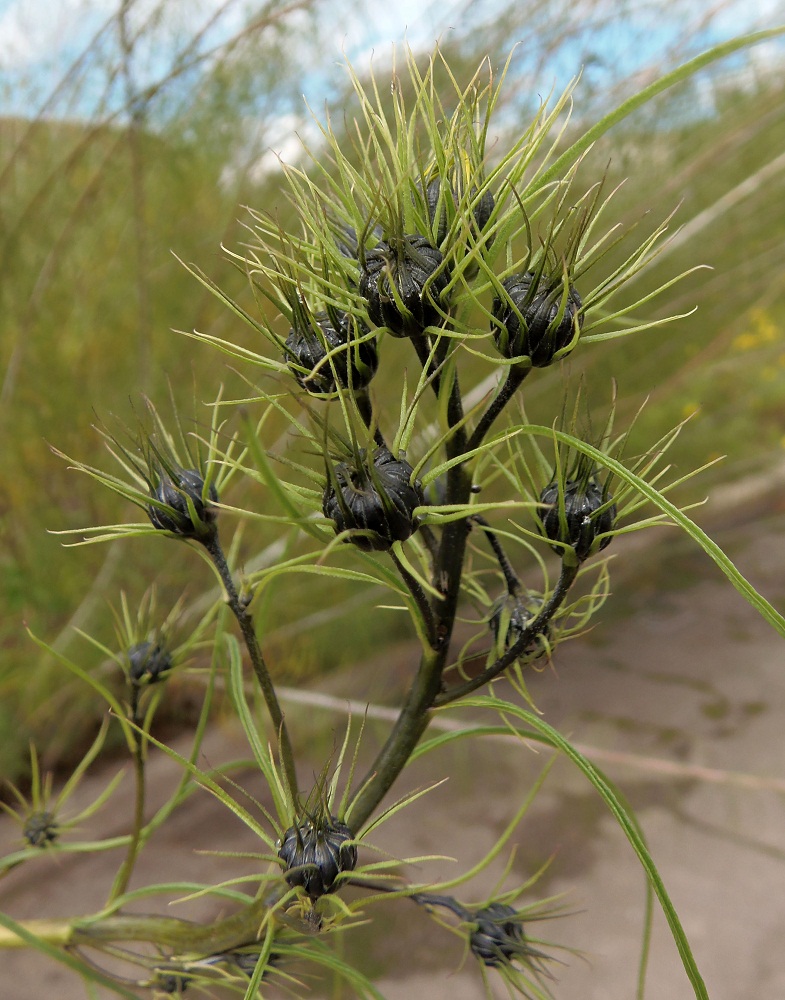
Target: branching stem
529,634
515,377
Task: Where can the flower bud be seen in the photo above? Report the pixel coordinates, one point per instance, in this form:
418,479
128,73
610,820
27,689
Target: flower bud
352,367
40,829
175,490
581,524
528,315
315,852
511,614
497,937
376,497
393,281
481,213
148,661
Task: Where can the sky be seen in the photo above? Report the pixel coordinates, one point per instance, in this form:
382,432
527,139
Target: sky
40,39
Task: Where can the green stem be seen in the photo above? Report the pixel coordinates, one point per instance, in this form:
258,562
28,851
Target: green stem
244,620
529,634
169,932
123,876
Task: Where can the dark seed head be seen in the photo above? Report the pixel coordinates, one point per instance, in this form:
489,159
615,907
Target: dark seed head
377,497
437,213
497,937
40,829
353,364
347,241
528,318
171,983
175,491
511,614
315,852
393,280
581,524
148,661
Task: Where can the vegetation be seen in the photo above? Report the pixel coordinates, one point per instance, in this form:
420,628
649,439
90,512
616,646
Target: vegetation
467,271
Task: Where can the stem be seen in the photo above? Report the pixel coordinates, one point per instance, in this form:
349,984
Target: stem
418,594
566,580
510,577
126,869
423,349
364,408
170,932
515,377
213,547
448,570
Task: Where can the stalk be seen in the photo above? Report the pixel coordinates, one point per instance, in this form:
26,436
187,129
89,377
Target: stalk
213,547
555,601
414,716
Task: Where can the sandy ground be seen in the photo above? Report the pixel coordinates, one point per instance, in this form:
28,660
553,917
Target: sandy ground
678,694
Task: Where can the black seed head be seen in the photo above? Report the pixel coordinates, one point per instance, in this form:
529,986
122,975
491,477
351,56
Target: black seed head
175,490
497,937
437,212
582,524
171,983
352,366
315,852
511,613
393,280
41,829
376,496
528,323
148,661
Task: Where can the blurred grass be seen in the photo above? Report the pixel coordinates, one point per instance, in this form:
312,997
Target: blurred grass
90,208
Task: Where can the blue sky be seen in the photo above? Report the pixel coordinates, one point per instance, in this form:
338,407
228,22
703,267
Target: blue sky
39,39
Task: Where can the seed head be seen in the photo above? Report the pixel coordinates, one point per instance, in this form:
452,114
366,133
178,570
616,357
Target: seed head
176,489
315,852
352,366
148,661
41,829
581,523
497,937
531,319
393,280
481,211
376,496
511,613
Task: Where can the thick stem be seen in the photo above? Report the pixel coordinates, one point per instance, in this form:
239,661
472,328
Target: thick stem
245,622
529,634
169,932
415,713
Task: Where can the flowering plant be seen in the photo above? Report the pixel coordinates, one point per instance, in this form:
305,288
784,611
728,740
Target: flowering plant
426,279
